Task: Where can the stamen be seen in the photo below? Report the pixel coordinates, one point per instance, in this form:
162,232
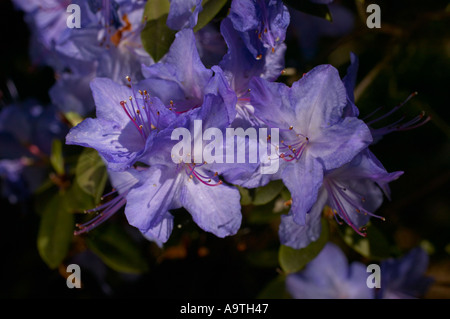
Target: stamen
398,125
339,195
104,211
206,180
139,111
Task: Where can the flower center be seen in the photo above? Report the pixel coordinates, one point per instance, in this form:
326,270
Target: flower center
264,33
141,111
293,149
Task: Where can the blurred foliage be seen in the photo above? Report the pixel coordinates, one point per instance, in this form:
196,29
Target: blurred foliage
411,52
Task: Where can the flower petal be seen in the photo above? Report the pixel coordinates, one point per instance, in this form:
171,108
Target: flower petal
118,145
150,200
161,232
350,83
215,209
340,143
318,99
299,236
107,96
181,76
182,15
303,179
271,103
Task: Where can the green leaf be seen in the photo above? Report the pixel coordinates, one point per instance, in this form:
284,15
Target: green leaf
263,214
246,198
265,194
266,258
117,249
275,289
316,9
77,200
210,9
55,232
154,9
375,246
73,118
91,174
157,37
56,157
293,260
285,194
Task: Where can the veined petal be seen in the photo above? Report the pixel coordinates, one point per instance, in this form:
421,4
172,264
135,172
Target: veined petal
181,76
240,65
303,179
341,142
182,15
262,24
299,236
215,209
149,201
244,16
218,86
318,99
161,232
271,103
107,96
118,145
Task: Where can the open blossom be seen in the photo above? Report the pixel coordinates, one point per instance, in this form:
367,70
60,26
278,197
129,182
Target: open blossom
353,192
180,80
167,183
139,129
126,118
254,32
107,44
404,277
314,137
330,276
262,24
